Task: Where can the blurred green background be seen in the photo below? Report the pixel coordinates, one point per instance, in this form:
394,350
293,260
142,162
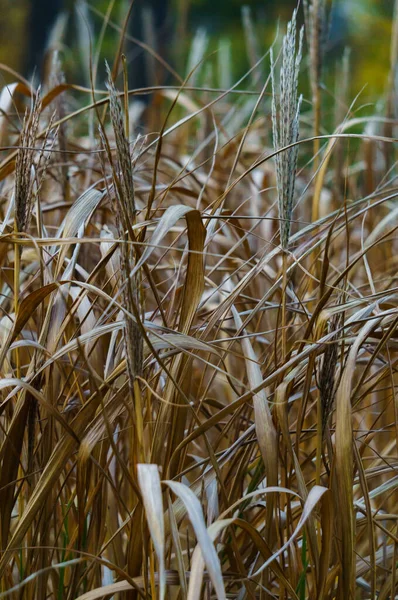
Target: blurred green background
362,25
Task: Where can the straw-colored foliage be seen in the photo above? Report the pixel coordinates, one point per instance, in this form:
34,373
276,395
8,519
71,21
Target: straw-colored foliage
192,406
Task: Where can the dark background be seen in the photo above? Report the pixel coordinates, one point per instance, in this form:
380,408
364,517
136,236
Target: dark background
25,26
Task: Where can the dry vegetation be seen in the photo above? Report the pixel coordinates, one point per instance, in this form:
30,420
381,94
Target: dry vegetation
198,336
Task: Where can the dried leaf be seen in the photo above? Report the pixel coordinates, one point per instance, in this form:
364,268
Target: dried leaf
149,482
195,514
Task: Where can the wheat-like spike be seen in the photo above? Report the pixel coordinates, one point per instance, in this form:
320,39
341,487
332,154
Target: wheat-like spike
24,178
327,381
123,149
133,336
126,215
285,125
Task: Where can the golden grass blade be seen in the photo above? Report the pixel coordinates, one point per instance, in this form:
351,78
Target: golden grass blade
370,523
180,340
59,457
20,586
265,428
195,514
194,283
344,466
175,536
19,384
168,220
262,547
314,497
30,304
124,586
327,540
311,522
149,482
106,590
198,563
192,294
80,212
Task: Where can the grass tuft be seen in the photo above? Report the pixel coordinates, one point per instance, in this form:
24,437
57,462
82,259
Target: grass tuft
198,329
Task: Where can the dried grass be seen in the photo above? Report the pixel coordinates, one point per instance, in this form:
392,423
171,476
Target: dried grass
198,388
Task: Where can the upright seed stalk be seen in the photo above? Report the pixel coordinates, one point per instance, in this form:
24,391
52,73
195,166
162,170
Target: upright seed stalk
285,127
24,196
122,173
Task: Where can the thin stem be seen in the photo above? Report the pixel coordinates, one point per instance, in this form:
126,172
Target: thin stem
317,144
284,287
17,263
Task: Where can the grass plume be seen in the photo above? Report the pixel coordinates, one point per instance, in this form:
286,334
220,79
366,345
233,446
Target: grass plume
285,125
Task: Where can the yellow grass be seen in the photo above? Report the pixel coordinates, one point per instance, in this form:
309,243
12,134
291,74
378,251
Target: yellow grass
250,451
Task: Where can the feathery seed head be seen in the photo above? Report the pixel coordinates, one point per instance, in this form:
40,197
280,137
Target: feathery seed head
285,125
122,149
24,175
124,191
327,381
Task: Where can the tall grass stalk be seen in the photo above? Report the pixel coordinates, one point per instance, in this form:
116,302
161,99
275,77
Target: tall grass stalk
285,128
24,190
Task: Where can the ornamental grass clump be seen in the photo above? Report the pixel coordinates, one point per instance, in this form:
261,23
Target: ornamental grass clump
197,378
